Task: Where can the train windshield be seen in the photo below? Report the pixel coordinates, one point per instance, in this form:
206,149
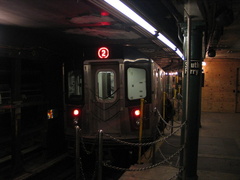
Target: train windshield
106,85
74,85
136,83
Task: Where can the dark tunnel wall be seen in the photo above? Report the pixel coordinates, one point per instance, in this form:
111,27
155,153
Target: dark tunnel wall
31,83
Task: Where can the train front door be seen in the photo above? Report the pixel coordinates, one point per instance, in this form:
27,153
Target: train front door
103,92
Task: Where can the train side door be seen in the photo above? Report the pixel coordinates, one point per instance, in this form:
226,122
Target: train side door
102,89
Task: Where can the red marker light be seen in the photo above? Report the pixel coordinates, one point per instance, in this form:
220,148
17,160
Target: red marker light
76,112
137,112
103,53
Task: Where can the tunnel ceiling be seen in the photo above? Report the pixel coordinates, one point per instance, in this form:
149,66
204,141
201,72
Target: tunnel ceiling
88,22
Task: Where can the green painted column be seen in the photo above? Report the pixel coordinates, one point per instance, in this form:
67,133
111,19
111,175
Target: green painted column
192,99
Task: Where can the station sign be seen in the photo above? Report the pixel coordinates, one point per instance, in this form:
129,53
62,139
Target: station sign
195,67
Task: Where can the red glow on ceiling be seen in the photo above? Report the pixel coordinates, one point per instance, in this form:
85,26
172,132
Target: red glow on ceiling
105,23
104,13
95,24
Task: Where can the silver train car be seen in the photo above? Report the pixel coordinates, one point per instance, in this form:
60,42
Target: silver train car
115,89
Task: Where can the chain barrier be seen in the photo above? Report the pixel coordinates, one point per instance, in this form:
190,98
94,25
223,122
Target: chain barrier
161,153
81,168
179,106
95,170
177,122
145,168
165,122
171,144
150,154
163,138
165,160
82,171
88,152
181,97
177,174
144,144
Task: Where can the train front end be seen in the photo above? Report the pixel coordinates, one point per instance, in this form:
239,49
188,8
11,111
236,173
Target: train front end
113,92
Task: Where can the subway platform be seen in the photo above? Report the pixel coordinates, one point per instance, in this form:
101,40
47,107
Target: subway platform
218,152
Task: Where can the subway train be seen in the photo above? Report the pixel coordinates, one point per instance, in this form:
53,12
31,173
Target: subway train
117,90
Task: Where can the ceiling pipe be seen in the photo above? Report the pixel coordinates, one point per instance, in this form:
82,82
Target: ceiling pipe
222,17
177,16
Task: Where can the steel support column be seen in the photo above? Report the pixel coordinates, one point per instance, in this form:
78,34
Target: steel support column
192,97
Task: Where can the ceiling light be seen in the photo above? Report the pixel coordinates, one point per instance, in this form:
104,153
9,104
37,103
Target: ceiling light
180,54
166,41
132,15
117,4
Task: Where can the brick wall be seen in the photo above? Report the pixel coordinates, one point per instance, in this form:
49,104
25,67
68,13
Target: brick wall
219,84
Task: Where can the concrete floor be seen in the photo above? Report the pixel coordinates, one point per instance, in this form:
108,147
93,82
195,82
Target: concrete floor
218,156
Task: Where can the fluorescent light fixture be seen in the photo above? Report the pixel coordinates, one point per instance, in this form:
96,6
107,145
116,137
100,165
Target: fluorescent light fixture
117,4
132,15
173,73
180,54
166,41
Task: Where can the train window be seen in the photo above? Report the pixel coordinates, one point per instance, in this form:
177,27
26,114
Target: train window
106,85
74,85
136,83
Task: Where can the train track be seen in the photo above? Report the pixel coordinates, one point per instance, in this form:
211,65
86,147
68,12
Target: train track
62,167
38,166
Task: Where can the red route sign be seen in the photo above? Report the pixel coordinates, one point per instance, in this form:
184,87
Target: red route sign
103,53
